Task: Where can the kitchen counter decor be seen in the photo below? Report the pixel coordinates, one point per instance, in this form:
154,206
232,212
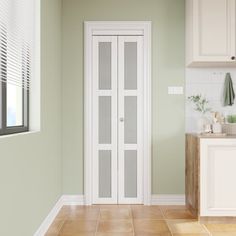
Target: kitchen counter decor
201,106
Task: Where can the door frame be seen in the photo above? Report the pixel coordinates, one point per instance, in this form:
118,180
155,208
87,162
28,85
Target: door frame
92,28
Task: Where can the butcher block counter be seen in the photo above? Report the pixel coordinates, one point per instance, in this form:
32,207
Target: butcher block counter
210,175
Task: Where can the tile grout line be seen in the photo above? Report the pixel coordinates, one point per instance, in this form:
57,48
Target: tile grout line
98,219
163,215
64,221
132,219
164,218
208,231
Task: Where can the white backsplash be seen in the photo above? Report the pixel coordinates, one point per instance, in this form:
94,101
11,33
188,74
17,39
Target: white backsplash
210,83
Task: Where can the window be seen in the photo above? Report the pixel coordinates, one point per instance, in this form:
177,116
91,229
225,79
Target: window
16,64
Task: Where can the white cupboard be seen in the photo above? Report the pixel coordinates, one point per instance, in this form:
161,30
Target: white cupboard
210,176
210,32
217,177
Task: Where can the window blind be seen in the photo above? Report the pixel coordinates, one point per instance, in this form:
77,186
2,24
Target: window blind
16,42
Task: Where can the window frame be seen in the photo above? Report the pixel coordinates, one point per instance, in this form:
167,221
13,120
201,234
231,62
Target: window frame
4,129
24,77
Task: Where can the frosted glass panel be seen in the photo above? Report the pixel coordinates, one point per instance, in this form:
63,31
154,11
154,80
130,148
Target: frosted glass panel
130,125
104,120
104,65
130,173
105,174
130,65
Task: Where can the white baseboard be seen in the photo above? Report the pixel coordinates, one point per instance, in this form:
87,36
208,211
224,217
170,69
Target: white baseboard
70,200
168,199
64,200
50,218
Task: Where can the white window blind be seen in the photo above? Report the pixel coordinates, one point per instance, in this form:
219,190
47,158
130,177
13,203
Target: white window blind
16,42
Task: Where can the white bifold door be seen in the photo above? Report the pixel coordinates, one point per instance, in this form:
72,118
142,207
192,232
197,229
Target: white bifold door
117,120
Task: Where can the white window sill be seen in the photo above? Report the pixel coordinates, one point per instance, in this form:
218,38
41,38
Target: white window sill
18,134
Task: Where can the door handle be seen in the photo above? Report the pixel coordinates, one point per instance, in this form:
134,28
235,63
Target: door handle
121,119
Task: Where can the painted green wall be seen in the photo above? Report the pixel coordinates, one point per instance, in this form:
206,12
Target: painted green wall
167,17
30,169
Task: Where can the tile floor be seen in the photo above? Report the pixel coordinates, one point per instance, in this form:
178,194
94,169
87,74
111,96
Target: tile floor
135,220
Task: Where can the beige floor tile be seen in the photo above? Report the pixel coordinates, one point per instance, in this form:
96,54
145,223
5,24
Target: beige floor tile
143,226
116,220
153,234
83,215
147,212
92,207
190,234
80,212
223,234
102,207
117,213
221,228
177,207
78,234
70,209
176,212
114,234
186,227
76,226
63,214
115,226
55,227
82,208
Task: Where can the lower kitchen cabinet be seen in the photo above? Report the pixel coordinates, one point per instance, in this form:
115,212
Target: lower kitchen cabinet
211,176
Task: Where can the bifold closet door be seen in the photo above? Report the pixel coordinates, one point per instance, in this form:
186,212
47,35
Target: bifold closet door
105,189
130,113
117,120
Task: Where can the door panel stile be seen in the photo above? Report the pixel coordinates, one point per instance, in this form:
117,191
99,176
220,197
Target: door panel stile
103,89
140,148
121,116
123,98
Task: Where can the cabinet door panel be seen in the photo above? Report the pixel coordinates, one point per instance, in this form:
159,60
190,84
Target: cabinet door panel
213,30
218,193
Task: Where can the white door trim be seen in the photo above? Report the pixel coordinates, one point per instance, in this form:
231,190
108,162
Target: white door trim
116,28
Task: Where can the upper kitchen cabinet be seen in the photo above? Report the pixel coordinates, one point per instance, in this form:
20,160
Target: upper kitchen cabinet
210,33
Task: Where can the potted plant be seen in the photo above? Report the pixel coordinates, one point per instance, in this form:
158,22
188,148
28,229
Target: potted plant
201,106
230,126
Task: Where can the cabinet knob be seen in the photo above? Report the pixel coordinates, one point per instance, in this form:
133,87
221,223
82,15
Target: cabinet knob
233,58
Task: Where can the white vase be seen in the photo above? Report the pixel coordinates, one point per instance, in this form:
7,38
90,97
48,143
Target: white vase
201,124
217,128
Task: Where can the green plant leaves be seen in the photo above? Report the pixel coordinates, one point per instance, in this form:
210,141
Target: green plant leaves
200,103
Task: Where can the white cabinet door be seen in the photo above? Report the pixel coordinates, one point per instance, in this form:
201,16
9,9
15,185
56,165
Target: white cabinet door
218,177
211,28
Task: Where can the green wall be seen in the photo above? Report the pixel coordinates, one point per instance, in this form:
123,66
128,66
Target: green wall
168,21
30,169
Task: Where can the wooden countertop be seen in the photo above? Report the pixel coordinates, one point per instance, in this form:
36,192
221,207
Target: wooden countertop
212,136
